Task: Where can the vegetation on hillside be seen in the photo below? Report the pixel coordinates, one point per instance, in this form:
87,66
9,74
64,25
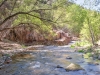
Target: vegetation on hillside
41,16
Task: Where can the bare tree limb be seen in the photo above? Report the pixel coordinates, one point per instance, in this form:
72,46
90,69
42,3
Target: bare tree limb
13,7
3,3
28,13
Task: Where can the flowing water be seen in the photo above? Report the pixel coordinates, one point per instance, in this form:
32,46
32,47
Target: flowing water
46,60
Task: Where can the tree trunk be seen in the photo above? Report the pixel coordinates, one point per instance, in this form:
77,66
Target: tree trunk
91,32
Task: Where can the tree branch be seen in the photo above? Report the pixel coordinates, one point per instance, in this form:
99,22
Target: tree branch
28,13
3,3
13,7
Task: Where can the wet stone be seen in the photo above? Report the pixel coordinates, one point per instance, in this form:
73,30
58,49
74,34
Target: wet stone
58,66
74,67
93,63
68,57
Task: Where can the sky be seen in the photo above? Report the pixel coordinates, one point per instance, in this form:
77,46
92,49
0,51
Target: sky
90,4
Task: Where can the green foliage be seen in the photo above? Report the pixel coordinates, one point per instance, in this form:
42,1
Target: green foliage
83,23
87,55
81,51
92,26
61,14
76,18
81,44
72,46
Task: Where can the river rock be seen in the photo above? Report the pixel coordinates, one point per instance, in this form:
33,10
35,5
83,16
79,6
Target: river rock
7,60
1,60
68,57
74,67
93,63
58,66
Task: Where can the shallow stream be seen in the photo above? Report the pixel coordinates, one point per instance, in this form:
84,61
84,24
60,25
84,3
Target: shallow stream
46,60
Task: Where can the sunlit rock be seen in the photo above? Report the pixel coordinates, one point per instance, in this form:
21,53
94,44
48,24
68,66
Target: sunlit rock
74,67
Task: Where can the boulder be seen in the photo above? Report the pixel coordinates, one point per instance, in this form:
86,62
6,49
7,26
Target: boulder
74,67
62,41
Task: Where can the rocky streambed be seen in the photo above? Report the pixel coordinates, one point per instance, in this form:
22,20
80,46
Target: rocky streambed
51,60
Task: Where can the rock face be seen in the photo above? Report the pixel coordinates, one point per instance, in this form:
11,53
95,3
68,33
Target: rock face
62,38
28,35
74,67
62,41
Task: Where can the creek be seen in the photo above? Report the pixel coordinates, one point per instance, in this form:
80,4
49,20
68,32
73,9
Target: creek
45,61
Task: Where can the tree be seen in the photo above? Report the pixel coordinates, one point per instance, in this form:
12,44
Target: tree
36,13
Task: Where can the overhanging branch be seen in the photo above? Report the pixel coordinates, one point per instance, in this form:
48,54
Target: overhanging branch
18,13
